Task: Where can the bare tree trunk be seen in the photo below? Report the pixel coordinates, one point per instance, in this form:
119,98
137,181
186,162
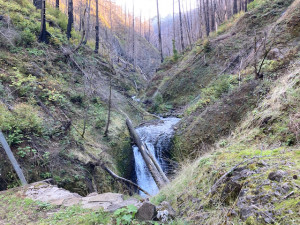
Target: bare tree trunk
141,23
235,7
125,15
225,8
133,33
110,16
88,6
181,29
174,37
206,17
246,5
212,16
70,19
44,34
109,107
12,159
97,27
57,4
115,176
159,34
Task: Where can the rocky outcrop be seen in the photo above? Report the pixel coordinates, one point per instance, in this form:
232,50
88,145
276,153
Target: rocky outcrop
109,202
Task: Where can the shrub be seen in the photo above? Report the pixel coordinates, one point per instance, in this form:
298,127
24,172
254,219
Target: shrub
214,91
206,46
27,38
24,84
175,52
24,119
77,99
125,215
58,17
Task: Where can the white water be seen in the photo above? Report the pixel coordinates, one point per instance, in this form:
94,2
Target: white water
157,137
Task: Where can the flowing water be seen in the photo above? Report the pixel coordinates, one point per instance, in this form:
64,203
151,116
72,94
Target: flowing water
157,136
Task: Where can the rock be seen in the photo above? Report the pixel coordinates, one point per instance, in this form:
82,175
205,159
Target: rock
276,176
285,188
163,216
165,212
231,191
267,216
243,174
247,211
109,202
146,212
131,201
275,54
262,163
71,201
106,197
92,194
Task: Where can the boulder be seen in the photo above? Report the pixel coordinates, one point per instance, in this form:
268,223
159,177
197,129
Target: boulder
165,212
276,175
146,212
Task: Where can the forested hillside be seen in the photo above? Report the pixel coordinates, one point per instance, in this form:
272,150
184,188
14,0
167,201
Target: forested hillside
54,103
116,118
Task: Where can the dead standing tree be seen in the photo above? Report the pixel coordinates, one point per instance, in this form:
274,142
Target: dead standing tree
70,19
97,27
109,107
159,34
44,35
266,51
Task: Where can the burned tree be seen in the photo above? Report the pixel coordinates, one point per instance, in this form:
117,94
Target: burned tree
97,27
38,3
70,19
159,33
44,35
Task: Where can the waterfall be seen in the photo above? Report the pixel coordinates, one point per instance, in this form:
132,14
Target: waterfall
157,136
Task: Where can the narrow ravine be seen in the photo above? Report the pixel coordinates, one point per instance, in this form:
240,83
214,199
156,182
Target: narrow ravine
157,136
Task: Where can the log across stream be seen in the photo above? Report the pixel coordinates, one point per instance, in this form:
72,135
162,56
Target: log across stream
157,137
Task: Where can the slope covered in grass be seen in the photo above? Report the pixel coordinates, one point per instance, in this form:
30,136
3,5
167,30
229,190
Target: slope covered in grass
242,135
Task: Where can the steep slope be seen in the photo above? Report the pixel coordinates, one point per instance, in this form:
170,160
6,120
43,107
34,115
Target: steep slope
242,135
54,104
214,86
249,177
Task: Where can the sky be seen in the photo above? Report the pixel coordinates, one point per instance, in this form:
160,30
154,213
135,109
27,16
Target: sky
148,7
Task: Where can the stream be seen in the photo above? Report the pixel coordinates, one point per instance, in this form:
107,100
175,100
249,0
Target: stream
157,136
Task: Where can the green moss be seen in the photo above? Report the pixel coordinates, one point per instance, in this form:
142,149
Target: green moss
250,221
288,204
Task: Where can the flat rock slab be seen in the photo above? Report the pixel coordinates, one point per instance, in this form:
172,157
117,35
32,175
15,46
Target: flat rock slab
106,197
109,202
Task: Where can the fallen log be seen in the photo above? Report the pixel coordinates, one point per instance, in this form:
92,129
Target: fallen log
12,159
157,165
158,178
123,179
